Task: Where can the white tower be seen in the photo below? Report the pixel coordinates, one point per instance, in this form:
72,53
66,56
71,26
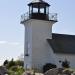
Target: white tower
38,27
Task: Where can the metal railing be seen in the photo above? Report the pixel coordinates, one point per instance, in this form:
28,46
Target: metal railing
24,17
51,17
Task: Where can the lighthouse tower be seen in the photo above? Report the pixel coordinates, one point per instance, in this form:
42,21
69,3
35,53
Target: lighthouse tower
38,24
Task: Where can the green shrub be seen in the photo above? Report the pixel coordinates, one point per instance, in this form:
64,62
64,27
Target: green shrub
48,66
65,64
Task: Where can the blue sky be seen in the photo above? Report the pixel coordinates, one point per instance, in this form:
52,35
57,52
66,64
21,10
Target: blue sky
12,32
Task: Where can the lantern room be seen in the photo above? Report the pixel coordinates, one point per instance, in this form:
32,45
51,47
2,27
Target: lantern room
39,9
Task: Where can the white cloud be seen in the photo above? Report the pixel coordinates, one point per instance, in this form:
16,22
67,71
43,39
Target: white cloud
3,42
14,43
9,50
9,43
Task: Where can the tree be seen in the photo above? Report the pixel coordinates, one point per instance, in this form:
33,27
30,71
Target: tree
19,63
11,63
5,62
14,67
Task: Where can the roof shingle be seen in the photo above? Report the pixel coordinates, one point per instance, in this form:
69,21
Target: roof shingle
62,43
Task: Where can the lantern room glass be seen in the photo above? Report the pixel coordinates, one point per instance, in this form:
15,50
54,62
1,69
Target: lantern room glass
44,10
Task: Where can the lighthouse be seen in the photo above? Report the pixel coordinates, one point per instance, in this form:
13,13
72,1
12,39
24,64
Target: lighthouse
38,24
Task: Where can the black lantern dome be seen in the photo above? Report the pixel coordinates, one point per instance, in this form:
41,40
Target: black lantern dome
39,9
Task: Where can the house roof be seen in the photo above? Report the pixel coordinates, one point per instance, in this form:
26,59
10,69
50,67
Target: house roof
62,43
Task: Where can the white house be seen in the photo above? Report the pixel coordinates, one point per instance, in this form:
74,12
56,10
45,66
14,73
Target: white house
41,46
63,47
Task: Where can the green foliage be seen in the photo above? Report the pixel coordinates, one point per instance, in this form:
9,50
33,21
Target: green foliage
14,67
16,70
20,63
5,62
48,66
11,63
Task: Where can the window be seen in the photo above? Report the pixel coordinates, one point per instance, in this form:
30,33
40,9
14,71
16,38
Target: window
30,9
35,10
47,10
42,10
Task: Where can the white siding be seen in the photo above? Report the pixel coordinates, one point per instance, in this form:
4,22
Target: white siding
69,57
40,52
